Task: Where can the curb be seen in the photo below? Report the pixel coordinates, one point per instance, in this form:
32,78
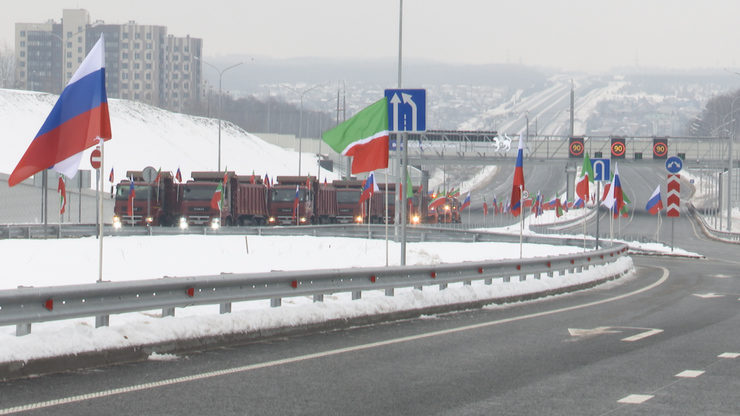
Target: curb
109,357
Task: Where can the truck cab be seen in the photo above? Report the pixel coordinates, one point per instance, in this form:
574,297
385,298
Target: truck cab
195,200
152,204
349,209
287,209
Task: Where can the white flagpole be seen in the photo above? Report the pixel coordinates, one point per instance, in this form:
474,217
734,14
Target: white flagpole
660,222
521,222
386,217
100,212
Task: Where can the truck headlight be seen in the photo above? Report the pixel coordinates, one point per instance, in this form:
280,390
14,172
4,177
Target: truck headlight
415,219
271,220
216,223
358,219
116,222
183,223
303,220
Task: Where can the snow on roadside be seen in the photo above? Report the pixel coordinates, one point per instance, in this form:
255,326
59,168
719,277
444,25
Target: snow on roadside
265,253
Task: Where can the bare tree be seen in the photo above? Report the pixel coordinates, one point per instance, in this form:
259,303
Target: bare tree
7,68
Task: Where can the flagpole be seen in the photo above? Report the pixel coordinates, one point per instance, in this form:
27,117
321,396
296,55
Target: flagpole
598,206
386,217
521,222
660,222
100,212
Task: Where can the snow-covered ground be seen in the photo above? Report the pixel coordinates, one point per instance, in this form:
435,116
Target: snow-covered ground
72,261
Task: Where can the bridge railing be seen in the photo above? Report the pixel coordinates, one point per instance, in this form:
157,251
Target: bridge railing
711,231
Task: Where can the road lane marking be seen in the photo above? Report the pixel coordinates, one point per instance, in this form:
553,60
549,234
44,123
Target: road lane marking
690,373
635,398
323,354
732,355
642,335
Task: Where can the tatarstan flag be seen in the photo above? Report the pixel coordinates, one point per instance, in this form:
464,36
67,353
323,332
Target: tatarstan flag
364,137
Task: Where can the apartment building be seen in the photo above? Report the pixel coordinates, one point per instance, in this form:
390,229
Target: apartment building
142,62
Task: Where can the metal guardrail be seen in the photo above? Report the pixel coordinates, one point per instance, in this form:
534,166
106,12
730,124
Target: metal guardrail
712,232
27,305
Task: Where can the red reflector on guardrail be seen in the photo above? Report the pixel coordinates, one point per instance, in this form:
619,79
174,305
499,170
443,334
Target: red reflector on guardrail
294,284
191,292
548,264
518,266
49,304
372,278
480,270
433,274
572,261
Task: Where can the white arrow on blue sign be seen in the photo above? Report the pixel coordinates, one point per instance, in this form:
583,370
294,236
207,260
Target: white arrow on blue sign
601,169
674,164
407,109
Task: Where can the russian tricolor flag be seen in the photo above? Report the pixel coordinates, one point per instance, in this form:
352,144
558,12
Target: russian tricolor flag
369,188
518,185
655,203
466,202
78,118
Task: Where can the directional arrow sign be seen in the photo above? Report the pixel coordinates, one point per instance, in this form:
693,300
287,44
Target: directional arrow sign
601,169
674,164
406,110
674,195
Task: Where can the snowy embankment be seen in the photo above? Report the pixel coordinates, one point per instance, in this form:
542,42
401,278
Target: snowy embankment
144,135
57,262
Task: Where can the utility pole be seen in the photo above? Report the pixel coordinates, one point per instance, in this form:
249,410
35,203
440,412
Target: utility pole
572,107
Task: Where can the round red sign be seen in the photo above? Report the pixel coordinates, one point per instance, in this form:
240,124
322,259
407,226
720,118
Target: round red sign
96,158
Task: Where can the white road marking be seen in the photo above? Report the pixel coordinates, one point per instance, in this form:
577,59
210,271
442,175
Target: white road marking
635,398
642,335
732,355
600,330
708,295
242,369
690,373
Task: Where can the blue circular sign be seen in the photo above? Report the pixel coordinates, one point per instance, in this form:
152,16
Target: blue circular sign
674,164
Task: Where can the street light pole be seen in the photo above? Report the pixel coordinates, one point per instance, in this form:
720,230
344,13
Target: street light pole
300,121
220,79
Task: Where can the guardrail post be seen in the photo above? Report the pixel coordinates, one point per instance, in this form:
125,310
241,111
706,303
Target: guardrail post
537,276
467,283
224,308
507,279
550,274
102,320
579,269
318,298
522,277
422,237
389,291
442,286
168,312
488,281
275,302
419,287
356,294
22,329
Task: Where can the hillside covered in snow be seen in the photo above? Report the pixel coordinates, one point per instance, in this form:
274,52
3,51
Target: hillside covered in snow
148,136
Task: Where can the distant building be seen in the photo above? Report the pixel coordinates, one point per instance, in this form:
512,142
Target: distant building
142,62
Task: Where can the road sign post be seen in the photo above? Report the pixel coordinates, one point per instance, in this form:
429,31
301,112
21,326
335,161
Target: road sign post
406,113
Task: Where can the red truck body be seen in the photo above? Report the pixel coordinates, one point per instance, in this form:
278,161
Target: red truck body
244,202
153,204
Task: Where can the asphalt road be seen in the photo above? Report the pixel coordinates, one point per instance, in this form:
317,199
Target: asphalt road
648,344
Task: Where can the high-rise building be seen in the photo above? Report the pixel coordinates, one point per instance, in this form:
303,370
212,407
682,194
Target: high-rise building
142,62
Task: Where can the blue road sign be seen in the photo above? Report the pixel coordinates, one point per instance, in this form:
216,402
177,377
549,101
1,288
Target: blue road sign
601,169
674,164
407,110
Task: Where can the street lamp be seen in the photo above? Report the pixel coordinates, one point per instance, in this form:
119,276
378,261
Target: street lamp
300,120
220,77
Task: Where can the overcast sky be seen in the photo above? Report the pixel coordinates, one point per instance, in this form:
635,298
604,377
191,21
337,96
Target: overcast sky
571,34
